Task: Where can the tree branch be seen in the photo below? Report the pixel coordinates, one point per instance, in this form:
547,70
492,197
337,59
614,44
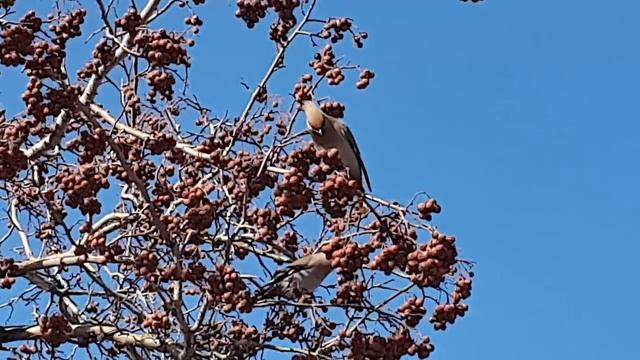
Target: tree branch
90,90
92,334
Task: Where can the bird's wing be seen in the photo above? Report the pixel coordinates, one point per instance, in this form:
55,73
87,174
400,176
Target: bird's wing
352,142
280,275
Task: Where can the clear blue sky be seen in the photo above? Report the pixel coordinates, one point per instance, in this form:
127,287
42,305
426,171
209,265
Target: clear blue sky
522,119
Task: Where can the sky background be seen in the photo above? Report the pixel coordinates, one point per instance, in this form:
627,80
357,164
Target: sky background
521,118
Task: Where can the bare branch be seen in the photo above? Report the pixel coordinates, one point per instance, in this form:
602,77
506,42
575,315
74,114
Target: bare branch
23,235
91,334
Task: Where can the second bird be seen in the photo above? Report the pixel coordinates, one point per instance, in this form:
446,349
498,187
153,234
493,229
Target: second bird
332,133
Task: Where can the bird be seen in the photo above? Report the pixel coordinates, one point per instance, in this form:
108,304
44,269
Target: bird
303,274
329,132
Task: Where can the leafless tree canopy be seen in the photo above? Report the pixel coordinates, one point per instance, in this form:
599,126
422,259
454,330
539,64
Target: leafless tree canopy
144,229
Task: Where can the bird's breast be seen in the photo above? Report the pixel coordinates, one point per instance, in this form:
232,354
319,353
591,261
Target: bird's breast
312,278
331,139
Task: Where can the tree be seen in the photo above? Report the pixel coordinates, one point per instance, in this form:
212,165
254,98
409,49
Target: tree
143,226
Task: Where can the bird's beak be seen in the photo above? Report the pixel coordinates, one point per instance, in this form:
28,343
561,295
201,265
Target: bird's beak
317,131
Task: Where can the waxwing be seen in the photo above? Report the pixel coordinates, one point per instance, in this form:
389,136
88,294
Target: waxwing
305,273
329,132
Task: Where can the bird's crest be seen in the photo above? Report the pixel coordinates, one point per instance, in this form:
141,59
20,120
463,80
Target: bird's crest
315,117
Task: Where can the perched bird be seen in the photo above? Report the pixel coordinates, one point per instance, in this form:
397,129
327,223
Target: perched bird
305,273
329,132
